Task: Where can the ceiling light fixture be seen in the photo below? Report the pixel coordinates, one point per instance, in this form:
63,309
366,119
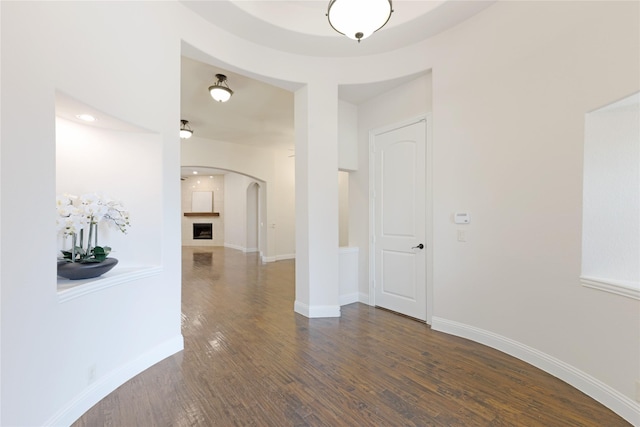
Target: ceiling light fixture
86,117
185,130
220,90
358,19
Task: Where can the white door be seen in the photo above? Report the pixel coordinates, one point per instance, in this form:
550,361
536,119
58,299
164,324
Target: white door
399,223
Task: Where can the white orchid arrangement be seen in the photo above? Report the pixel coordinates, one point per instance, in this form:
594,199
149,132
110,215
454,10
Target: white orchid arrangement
77,214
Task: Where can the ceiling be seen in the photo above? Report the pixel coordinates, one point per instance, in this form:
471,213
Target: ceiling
301,26
257,114
261,114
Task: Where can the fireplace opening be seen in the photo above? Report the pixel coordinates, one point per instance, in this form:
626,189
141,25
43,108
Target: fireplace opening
203,231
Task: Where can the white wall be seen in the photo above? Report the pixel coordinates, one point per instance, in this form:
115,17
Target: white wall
253,217
284,198
235,225
343,208
509,140
347,136
49,347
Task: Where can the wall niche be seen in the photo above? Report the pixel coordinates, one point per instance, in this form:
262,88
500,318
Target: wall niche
119,160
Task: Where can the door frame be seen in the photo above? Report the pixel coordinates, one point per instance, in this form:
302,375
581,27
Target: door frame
427,118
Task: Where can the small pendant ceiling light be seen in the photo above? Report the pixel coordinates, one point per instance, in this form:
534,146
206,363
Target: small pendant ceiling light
185,130
358,19
220,90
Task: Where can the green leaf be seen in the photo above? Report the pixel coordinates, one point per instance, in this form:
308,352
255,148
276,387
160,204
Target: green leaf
67,254
99,253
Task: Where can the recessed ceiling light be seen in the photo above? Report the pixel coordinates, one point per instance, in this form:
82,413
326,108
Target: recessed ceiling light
195,172
86,117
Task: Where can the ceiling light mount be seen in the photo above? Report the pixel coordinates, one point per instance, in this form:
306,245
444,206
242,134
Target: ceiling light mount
185,130
220,90
358,19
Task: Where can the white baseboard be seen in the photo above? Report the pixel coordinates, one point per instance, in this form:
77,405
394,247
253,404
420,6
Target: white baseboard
349,298
317,310
97,391
232,246
266,259
608,396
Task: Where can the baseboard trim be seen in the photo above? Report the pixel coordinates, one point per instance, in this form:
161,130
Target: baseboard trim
316,311
97,391
266,259
608,396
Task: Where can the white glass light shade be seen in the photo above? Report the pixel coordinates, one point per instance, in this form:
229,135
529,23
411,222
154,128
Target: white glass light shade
185,130
358,19
220,93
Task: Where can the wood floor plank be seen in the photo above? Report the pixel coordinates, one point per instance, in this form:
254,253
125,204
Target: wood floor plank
249,360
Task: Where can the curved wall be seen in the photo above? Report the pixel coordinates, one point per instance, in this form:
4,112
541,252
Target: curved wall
60,356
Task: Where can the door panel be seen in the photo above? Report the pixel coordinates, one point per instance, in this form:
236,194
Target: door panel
398,274
399,220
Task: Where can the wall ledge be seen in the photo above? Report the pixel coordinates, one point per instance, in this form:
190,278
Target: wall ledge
603,393
72,289
625,289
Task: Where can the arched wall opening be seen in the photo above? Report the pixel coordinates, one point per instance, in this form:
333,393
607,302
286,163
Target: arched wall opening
238,214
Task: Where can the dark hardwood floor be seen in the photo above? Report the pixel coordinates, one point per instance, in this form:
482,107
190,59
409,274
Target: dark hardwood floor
249,360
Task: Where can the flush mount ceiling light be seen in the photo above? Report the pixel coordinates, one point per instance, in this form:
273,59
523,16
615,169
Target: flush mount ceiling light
86,117
220,90
358,19
185,130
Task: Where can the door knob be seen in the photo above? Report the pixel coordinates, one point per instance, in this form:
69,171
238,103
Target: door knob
420,246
